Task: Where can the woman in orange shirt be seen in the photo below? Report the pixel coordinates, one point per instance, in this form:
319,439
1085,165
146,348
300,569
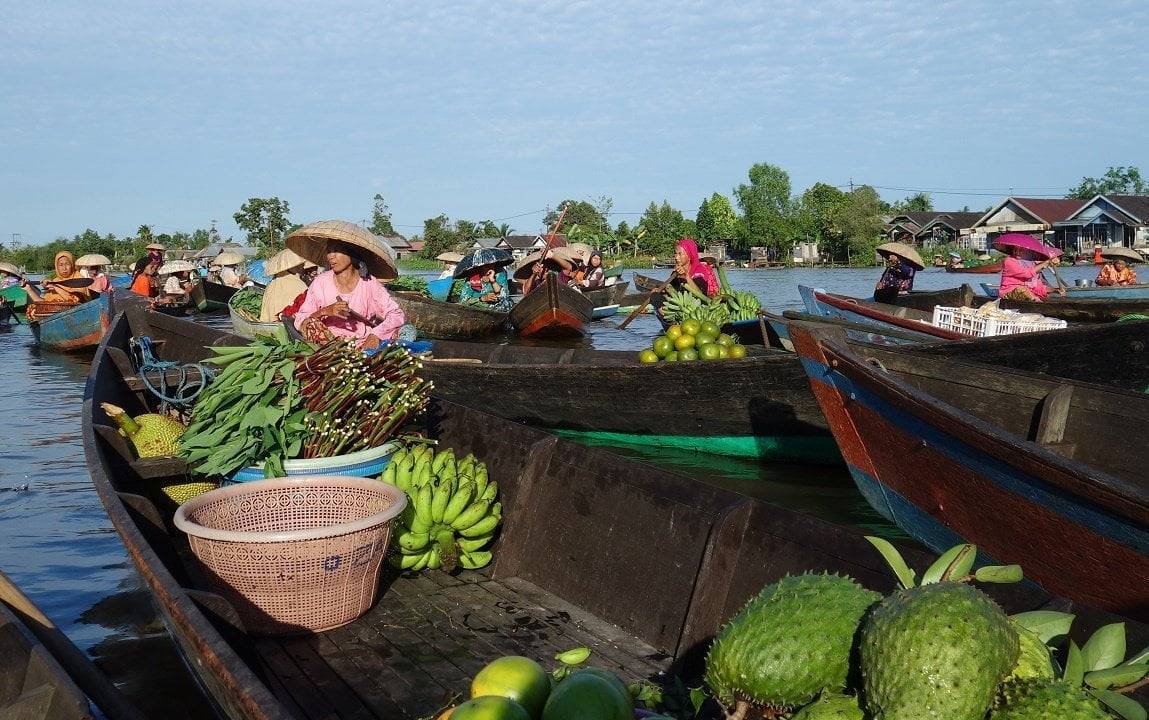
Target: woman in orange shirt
1116,273
142,275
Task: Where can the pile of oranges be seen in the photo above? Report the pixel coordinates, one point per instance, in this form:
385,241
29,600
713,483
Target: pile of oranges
692,340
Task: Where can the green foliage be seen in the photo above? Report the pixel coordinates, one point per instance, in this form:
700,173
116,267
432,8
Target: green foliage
1120,180
717,220
266,223
439,236
121,251
381,218
767,208
663,225
918,202
860,224
581,213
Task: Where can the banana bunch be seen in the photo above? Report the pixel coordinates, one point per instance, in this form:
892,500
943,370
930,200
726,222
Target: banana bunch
683,305
451,514
743,305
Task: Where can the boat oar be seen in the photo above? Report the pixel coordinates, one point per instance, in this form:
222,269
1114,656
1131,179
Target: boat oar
79,667
639,310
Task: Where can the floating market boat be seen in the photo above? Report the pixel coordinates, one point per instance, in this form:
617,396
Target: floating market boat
610,295
926,300
1081,310
551,311
652,564
986,269
758,406
211,297
57,326
1035,470
646,284
247,328
15,296
917,323
601,313
451,321
1119,292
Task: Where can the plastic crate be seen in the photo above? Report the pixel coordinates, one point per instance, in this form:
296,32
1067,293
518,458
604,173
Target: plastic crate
963,321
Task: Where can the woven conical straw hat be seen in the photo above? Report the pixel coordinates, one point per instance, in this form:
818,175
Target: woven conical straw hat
310,242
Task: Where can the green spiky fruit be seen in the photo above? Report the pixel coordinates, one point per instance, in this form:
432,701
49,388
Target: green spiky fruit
151,435
1033,658
831,707
1047,700
790,642
935,651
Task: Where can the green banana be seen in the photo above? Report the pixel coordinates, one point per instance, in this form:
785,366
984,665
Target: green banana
474,561
440,496
482,527
388,475
490,492
436,560
424,560
481,478
408,562
410,542
423,505
470,545
466,466
441,459
403,472
459,501
473,514
423,475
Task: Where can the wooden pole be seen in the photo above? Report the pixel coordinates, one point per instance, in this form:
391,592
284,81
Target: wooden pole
79,667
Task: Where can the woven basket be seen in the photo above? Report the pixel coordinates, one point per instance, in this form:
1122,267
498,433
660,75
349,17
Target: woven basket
294,555
364,463
39,310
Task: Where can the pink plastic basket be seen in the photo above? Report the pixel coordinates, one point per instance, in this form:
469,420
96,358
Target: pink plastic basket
293,555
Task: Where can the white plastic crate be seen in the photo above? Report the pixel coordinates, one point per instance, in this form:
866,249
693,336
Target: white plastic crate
966,322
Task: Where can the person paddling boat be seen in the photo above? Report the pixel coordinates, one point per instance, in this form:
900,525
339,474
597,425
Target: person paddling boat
902,262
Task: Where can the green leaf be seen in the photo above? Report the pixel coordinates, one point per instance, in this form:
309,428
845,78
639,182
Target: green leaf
1074,666
698,696
574,656
998,574
894,559
1046,624
1126,707
1140,657
953,564
1105,649
1116,676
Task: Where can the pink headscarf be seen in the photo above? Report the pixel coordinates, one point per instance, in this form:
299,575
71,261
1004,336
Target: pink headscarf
697,267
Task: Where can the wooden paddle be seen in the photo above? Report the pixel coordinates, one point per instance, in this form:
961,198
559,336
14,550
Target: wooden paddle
638,310
80,282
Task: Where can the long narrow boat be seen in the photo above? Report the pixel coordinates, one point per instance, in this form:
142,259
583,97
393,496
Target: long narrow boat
211,297
758,406
245,328
927,300
652,564
551,311
1081,310
77,328
1036,470
916,323
33,685
986,269
15,296
646,284
1118,292
449,321
610,295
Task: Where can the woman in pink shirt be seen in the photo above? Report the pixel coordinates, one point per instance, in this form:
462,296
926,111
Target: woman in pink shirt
1021,278
347,300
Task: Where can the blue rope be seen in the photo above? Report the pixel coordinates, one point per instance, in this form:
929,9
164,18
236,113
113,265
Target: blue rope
185,388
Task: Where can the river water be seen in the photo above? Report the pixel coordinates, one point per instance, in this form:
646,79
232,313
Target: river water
59,546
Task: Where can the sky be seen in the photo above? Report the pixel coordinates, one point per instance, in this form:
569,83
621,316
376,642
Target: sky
116,114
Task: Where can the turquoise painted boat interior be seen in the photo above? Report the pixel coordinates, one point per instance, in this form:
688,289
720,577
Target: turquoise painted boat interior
798,448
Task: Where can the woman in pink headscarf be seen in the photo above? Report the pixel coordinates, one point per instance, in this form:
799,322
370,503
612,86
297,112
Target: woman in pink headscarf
690,270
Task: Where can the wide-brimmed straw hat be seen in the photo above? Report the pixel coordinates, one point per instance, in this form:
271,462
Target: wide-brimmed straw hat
579,251
228,258
154,246
175,266
449,257
903,251
214,268
483,257
523,268
283,261
1122,253
310,242
92,260
9,268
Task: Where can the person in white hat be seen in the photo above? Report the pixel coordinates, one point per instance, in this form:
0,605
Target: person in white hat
286,285
229,261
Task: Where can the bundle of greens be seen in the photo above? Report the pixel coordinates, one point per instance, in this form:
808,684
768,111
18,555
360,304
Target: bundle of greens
409,283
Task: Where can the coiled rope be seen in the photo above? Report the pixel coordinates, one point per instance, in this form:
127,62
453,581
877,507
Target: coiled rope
186,387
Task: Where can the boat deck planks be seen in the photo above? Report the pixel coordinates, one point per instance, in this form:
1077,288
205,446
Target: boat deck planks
416,651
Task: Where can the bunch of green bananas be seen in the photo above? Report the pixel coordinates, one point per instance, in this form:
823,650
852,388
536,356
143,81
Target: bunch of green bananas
451,514
683,305
743,305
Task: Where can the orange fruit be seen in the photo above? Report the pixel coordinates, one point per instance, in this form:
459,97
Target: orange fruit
684,343
490,707
516,677
687,355
737,351
648,356
704,338
724,339
662,345
674,332
710,352
691,326
710,328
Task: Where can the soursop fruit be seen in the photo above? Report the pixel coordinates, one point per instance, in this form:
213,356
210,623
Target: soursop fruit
789,643
1034,661
151,435
831,706
935,651
1047,700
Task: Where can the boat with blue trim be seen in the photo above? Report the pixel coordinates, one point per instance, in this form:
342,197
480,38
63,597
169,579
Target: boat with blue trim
67,328
1035,469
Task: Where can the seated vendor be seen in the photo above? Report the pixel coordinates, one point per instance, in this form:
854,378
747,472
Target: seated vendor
1116,273
347,300
486,285
285,268
65,269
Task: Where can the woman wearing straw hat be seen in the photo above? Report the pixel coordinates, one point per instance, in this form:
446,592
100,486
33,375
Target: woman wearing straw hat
155,253
1117,271
92,266
449,260
178,284
286,285
228,262
902,261
347,300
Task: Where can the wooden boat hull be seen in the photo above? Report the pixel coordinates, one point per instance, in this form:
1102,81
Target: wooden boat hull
927,300
646,284
15,296
77,328
945,476
603,312
36,687
448,321
987,269
653,562
611,295
247,329
759,406
211,297
551,311
915,323
1082,310
1125,292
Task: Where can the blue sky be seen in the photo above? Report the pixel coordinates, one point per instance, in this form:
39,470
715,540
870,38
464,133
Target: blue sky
115,114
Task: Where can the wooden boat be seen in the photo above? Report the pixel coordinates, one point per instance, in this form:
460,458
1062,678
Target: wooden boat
15,296
79,327
245,328
646,284
603,312
986,269
610,295
653,564
755,407
1081,310
916,323
451,321
1035,470
551,311
211,297
926,300
1118,292
175,309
